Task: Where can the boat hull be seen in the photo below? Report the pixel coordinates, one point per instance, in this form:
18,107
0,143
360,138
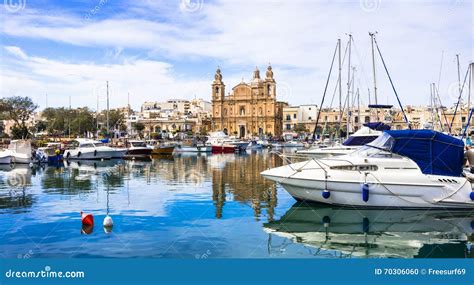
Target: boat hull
5,159
164,150
138,153
87,154
194,149
402,188
224,148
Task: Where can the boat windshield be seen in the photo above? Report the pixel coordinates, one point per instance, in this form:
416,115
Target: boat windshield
138,144
99,144
380,147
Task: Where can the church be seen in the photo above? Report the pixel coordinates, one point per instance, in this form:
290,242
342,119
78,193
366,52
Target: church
250,110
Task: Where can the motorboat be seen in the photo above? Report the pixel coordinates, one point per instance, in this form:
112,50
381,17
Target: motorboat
364,135
19,152
293,144
406,169
222,143
255,145
194,148
52,153
162,148
5,157
137,149
376,233
85,149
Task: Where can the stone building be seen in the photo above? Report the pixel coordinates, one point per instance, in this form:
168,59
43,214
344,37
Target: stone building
250,110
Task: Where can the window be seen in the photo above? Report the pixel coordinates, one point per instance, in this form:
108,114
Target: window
463,119
367,119
294,116
288,117
242,111
309,118
288,126
335,118
356,119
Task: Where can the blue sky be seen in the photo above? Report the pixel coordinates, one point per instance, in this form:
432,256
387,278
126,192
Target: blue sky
157,49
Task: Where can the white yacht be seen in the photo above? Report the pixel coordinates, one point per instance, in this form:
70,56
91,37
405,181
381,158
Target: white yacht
90,149
363,136
408,169
19,151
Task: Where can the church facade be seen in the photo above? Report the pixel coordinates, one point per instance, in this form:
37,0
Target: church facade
250,110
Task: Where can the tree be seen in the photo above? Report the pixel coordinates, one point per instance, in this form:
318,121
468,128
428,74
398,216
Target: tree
19,109
116,120
139,127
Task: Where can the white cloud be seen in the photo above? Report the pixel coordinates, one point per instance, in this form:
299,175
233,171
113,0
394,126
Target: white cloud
297,37
84,81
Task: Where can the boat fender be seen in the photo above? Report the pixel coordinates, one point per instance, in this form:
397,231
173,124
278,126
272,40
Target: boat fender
365,192
87,219
95,152
108,222
365,225
326,194
326,221
68,154
472,195
79,154
472,225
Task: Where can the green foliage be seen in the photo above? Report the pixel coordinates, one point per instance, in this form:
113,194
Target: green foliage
60,120
19,109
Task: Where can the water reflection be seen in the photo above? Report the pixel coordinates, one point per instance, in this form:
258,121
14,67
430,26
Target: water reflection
344,232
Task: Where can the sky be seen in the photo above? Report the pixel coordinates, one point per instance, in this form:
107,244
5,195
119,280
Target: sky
154,50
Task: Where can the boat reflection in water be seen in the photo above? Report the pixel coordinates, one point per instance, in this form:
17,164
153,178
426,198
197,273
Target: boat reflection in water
350,232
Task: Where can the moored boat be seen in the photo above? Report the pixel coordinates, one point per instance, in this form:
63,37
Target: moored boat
406,169
19,152
85,149
137,149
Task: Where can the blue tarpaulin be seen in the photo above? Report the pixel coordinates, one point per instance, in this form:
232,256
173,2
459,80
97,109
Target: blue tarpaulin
434,152
377,126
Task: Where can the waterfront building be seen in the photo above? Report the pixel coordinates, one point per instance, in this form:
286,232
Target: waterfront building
250,110
172,116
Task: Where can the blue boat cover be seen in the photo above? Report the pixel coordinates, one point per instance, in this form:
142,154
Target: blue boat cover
434,152
377,126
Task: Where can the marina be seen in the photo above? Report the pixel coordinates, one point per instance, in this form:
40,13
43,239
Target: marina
203,205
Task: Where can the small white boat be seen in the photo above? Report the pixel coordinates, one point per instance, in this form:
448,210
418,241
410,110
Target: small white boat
353,143
19,152
85,149
406,169
293,144
199,148
137,149
5,157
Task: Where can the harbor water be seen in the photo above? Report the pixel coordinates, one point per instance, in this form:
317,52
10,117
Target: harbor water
204,206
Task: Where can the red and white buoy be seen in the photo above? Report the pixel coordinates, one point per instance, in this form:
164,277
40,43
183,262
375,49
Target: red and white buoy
87,219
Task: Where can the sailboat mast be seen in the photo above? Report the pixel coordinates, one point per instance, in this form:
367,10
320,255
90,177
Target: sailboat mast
358,109
459,85
340,89
108,108
348,116
372,35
